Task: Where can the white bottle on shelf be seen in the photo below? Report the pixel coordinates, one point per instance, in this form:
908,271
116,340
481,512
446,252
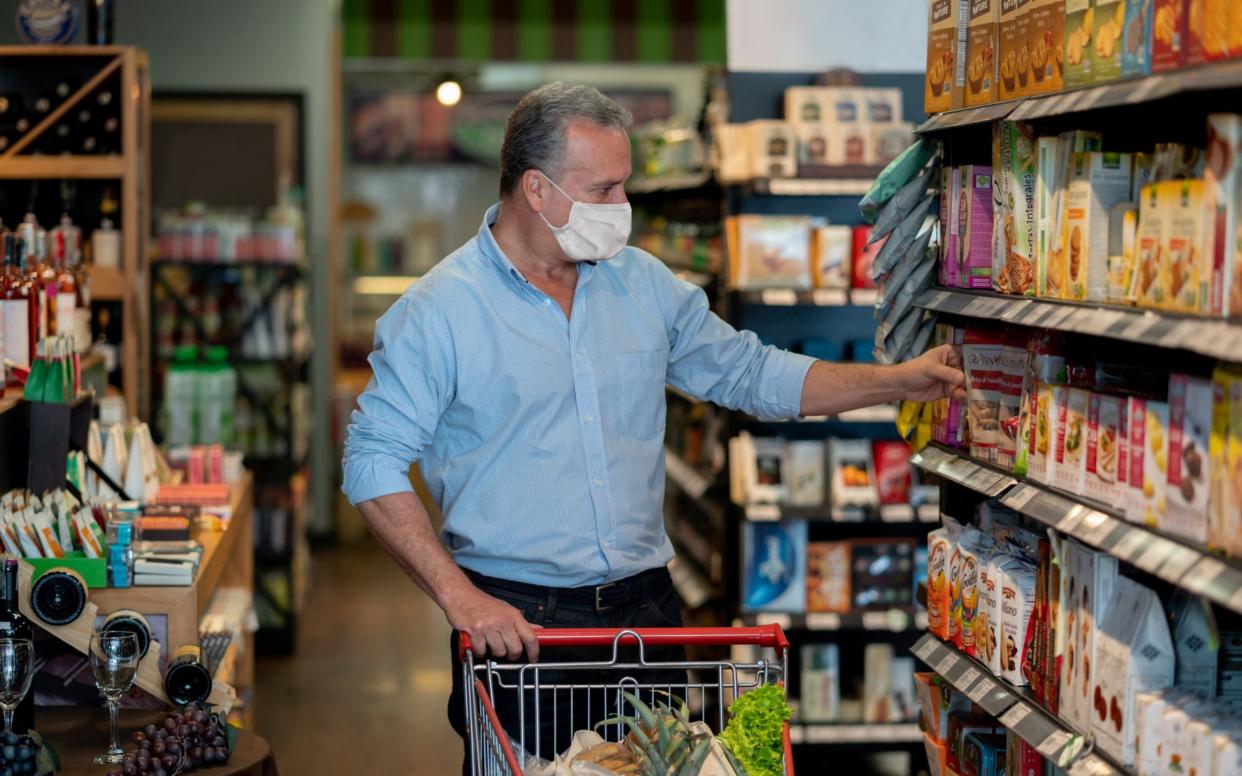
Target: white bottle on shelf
106,245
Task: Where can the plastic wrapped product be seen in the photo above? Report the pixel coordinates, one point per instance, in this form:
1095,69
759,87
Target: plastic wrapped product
909,240
893,283
921,340
904,202
896,305
897,174
892,339
983,354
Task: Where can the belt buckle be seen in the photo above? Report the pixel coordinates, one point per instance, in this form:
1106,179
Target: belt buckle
599,606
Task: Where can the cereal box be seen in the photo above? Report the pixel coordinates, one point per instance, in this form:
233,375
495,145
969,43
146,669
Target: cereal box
1190,424
1168,35
1103,448
1136,39
950,257
1079,25
1133,654
1070,473
1150,282
1223,190
1017,600
944,87
1233,19
1013,266
1045,42
1014,55
1110,17
828,577
939,548
1187,247
975,227
982,31
1098,181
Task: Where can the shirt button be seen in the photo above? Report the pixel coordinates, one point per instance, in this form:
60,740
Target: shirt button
547,301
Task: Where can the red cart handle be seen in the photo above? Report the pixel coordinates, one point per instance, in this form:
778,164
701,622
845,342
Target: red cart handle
760,636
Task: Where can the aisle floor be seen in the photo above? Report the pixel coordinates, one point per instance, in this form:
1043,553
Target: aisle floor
367,689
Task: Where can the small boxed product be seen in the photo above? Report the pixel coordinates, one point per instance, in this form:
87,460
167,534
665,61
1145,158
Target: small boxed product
1149,711
774,566
850,144
1043,456
828,577
770,252
983,354
1149,461
1047,192
834,251
1070,471
731,149
1223,187
1046,43
882,572
892,469
882,106
1015,66
877,682
821,683
844,105
806,105
1136,39
1097,182
1054,272
1017,601
1151,271
902,707
1013,270
813,139
1168,35
1122,233
773,148
1103,448
1189,476
1187,247
1220,521
950,202
975,228
944,87
864,256
940,545
987,627
1079,26
982,32
1133,654
1216,29
1232,488
1196,28
853,474
937,753
1110,17
1089,578
804,485
1014,364
888,141
983,754
1196,647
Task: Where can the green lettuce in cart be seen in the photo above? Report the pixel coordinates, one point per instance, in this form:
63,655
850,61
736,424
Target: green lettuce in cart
755,731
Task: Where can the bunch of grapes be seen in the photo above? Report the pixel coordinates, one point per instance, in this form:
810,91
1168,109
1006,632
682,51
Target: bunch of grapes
188,739
18,755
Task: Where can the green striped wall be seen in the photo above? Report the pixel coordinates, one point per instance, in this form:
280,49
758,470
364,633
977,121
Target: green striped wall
652,31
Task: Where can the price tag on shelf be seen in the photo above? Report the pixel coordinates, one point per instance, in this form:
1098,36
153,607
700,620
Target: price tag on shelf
826,621
896,513
980,689
1053,743
763,513
1019,497
936,300
928,513
779,297
946,663
1181,332
1100,321
968,677
1155,554
1132,544
1137,328
1012,718
1178,563
864,297
926,648
797,734
1096,527
1071,520
1203,575
1059,318
1016,310
830,297
875,620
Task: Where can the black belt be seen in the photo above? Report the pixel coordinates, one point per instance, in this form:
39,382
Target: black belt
600,598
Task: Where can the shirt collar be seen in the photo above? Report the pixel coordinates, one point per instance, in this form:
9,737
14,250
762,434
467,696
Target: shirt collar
490,248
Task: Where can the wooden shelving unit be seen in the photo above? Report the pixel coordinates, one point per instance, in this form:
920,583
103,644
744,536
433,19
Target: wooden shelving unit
129,169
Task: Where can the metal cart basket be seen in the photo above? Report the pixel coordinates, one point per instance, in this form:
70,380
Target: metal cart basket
547,692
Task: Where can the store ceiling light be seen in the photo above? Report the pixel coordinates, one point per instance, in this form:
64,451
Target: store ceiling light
448,93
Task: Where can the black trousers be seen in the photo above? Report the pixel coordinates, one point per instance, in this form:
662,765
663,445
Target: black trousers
656,605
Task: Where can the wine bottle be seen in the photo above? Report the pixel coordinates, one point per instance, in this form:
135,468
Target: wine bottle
14,303
99,16
13,625
187,680
59,596
129,621
66,243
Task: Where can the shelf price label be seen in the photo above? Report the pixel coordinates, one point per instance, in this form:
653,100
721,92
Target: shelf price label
980,689
823,621
926,648
1203,575
1096,527
779,297
830,297
1090,766
1053,743
1154,555
1019,497
967,678
763,513
1012,718
1178,563
1131,544
946,663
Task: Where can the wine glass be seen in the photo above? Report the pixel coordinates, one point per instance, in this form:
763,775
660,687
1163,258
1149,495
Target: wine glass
114,661
16,673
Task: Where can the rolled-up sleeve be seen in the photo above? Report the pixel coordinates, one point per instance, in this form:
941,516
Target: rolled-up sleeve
412,383
713,361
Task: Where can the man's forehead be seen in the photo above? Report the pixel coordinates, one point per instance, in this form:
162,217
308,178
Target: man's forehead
588,144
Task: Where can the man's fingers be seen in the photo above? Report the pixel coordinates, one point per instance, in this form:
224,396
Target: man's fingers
513,643
530,640
496,644
948,374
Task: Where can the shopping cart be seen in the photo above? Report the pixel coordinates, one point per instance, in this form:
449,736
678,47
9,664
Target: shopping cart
545,691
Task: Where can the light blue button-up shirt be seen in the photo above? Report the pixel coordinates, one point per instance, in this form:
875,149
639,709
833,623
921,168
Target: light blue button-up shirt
540,437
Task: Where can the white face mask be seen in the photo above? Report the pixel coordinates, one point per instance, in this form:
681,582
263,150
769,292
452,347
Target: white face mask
593,232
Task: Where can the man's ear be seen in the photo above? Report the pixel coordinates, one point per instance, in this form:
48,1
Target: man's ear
533,189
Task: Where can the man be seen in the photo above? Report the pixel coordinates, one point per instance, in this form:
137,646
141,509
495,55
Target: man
526,373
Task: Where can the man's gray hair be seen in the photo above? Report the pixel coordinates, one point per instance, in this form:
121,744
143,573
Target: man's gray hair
535,132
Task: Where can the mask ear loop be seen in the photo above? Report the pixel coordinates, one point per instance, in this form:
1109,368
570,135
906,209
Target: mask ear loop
573,203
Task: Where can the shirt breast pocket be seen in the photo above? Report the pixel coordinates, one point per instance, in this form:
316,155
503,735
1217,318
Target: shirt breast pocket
642,377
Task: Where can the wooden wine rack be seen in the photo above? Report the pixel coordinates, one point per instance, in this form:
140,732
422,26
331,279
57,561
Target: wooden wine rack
129,168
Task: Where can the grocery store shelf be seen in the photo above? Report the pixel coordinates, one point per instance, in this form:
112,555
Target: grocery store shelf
890,620
1206,336
815,187
1218,75
299,265
664,183
62,167
689,479
881,413
841,733
1051,736
818,297
886,513
1100,526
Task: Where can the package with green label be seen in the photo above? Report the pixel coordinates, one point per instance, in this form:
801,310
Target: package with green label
1098,182
1013,262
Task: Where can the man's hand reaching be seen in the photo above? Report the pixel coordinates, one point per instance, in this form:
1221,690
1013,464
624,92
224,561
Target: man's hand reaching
937,374
494,626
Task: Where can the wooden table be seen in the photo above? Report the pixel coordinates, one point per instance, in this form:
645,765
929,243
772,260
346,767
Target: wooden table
81,732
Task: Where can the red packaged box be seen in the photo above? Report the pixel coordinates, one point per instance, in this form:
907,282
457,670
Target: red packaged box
863,256
1168,35
892,471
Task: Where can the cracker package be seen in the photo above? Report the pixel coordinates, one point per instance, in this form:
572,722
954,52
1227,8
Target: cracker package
1103,448
1133,654
773,149
1150,282
1122,231
1047,193
1079,25
1106,43
940,543
955,590
950,196
1049,368
1055,271
1070,472
1015,66
1017,601
975,555
1136,39
1223,190
1196,28
1168,35
1197,649
983,352
1014,366
833,252
1225,500
1216,29
828,577
1013,267
985,629
1092,579
1190,426
1187,247
982,32
975,227
1045,43
1149,449
1097,183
